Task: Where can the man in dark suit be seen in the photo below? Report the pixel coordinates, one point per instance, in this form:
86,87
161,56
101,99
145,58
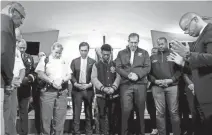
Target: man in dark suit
200,62
12,17
133,65
25,90
82,88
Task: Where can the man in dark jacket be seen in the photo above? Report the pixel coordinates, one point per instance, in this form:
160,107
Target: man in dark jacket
106,81
11,17
82,88
133,65
200,62
25,90
164,77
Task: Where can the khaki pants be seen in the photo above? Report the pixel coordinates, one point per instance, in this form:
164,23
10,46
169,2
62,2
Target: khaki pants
56,107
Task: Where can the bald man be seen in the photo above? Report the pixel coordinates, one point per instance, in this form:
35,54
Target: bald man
200,61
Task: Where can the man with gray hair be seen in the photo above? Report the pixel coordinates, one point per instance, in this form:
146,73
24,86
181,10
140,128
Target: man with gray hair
133,65
54,71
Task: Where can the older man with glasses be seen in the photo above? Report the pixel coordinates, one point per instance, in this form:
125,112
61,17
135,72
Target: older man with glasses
12,16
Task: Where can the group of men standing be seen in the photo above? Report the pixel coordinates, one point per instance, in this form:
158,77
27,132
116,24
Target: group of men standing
123,80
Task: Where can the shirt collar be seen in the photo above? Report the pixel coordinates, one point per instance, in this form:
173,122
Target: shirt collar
51,57
84,59
202,29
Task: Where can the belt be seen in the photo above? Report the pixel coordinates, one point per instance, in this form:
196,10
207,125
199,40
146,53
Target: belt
104,96
50,87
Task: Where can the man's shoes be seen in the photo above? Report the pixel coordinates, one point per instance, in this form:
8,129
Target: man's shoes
154,132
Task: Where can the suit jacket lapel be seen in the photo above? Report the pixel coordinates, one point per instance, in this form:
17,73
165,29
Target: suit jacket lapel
78,64
200,37
87,68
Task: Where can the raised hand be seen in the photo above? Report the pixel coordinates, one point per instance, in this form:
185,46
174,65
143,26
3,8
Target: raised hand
176,58
179,48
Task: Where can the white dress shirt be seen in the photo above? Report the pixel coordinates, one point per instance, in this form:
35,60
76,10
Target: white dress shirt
202,29
132,57
83,68
19,65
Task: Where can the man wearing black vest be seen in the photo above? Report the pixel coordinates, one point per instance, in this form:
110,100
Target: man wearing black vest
106,81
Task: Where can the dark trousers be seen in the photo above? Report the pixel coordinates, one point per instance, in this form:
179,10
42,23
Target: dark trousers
10,112
36,106
108,115
132,96
77,98
202,118
23,104
184,111
150,104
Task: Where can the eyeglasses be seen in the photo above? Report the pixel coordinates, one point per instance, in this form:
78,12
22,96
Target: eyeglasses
188,25
21,16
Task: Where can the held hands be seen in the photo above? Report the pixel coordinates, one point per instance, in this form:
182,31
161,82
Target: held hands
161,83
132,76
164,82
108,90
57,83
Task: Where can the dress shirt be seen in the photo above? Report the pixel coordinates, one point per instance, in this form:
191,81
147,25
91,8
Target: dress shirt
83,67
